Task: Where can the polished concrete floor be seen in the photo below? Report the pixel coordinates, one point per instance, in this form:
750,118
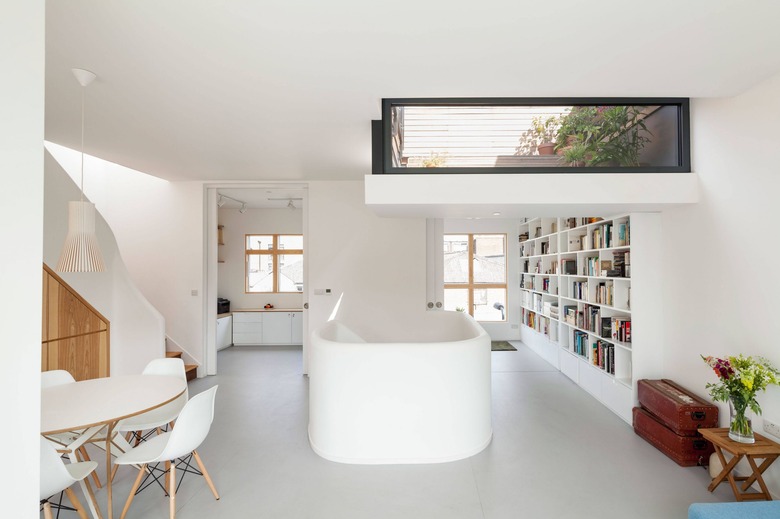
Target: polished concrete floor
556,453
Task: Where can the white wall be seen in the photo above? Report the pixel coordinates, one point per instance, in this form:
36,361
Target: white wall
231,275
722,288
21,211
159,228
504,330
375,266
137,329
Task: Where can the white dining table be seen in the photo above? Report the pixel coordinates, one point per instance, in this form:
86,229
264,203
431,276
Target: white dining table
102,402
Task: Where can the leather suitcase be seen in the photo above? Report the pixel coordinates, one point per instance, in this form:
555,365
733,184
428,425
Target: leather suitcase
676,407
686,451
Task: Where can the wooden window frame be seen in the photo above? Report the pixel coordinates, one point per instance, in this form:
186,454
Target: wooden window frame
471,284
274,252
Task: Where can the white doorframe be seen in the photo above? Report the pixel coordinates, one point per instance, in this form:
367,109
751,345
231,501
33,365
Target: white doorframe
210,278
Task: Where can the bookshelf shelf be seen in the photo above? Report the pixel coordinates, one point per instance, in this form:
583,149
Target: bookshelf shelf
585,260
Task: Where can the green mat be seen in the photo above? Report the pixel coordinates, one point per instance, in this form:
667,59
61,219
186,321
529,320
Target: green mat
501,346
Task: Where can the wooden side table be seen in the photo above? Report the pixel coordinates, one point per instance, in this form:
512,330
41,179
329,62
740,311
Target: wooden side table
763,449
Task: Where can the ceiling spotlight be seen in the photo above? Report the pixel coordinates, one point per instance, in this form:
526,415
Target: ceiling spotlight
221,201
243,208
496,214
291,205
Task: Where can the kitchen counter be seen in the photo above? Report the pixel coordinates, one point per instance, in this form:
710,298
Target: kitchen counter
267,310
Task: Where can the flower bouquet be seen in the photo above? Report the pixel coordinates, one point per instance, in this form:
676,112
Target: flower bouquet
740,378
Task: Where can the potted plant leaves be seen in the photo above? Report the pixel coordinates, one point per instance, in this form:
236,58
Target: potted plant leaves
602,136
544,134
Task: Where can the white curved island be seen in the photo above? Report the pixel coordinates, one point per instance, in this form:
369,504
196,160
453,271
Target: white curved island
401,402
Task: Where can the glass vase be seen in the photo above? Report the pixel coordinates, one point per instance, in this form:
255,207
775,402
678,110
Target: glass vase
740,428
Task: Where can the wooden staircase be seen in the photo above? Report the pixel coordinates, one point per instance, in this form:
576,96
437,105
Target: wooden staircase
190,369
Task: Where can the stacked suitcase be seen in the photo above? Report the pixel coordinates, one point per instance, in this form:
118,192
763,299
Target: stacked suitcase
669,418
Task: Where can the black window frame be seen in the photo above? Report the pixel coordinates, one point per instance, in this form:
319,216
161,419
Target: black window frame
382,129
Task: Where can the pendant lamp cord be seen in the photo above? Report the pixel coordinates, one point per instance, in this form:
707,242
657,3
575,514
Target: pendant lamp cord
82,141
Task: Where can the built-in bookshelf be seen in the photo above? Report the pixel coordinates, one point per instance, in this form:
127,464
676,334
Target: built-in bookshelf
575,296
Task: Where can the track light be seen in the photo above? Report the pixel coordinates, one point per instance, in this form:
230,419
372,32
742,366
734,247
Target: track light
291,205
223,199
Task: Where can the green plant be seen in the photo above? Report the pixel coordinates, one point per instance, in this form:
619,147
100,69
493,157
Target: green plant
739,380
436,160
544,130
612,135
576,154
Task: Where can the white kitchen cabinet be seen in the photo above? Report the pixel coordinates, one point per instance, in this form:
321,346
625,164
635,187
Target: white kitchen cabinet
247,328
282,327
224,332
297,327
267,327
276,328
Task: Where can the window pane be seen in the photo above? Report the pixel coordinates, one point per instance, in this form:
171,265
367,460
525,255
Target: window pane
480,134
260,273
291,242
489,304
456,257
456,299
489,258
291,273
259,242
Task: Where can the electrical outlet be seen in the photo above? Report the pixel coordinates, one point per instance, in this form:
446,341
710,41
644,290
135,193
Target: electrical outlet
771,428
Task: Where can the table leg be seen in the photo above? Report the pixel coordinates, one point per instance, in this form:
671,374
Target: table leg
761,468
757,471
109,485
727,468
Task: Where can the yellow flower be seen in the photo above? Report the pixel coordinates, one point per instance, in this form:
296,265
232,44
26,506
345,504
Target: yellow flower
748,383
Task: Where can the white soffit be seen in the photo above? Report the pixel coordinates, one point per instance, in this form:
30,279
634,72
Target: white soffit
286,90
514,196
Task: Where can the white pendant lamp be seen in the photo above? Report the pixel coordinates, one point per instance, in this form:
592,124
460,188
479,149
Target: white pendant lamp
81,252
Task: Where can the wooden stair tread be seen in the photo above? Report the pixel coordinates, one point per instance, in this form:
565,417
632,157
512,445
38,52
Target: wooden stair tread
173,354
191,370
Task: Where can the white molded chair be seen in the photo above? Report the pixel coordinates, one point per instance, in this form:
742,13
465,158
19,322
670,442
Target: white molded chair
55,377
175,448
56,476
163,415
72,442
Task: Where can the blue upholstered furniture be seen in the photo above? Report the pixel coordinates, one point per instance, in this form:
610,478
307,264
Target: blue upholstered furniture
744,510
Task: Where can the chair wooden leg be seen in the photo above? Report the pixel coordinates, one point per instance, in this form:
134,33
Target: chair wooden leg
167,480
76,503
47,510
133,490
205,472
172,492
86,488
85,457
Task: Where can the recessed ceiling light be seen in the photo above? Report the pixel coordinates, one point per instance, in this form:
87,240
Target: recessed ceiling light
496,214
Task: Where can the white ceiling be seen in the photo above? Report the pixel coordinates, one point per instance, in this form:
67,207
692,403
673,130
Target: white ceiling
258,198
286,90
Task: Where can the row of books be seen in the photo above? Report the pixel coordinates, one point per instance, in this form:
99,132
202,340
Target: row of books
620,329
591,267
605,294
580,343
588,317
571,223
579,290
621,265
603,356
609,235
550,309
